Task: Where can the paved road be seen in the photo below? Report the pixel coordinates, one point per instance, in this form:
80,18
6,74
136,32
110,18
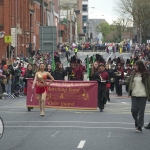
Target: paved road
72,129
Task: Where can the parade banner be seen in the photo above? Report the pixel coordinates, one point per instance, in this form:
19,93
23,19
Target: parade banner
66,94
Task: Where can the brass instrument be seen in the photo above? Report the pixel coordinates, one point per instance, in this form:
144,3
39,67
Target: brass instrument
126,75
72,74
118,73
112,80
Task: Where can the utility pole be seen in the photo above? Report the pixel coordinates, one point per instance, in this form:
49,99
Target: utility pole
140,34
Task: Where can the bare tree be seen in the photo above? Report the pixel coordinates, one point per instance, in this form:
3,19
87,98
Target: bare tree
138,10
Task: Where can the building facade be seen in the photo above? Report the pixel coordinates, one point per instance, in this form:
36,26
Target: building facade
21,19
14,19
85,15
96,36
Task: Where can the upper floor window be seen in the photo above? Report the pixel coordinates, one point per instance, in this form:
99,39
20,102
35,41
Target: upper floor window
1,1
84,7
84,18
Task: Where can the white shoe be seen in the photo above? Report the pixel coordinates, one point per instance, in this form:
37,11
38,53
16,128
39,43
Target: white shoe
5,94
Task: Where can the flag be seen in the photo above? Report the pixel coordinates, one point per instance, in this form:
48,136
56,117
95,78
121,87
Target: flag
88,69
93,59
53,63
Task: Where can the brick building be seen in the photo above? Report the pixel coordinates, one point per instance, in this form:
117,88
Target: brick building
25,16
14,14
37,19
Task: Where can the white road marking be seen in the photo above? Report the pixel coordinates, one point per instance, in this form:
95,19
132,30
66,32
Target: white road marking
68,122
81,144
77,127
109,134
123,102
55,134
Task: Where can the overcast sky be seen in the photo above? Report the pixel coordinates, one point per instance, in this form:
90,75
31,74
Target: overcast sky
102,7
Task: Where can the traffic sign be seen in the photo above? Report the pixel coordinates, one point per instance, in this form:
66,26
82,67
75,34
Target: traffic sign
8,39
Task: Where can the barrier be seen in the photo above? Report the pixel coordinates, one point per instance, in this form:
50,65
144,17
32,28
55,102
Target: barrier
66,94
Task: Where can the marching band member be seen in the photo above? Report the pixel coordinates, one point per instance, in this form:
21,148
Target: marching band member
41,86
101,77
107,84
112,77
119,76
83,69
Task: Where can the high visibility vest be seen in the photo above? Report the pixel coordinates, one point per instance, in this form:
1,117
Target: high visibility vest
75,50
131,62
67,48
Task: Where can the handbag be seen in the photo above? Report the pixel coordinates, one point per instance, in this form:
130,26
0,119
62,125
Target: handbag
4,81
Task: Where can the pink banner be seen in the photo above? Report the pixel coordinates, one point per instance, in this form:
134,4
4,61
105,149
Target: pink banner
66,94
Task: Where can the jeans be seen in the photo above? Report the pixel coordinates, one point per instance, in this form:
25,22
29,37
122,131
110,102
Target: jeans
8,88
138,109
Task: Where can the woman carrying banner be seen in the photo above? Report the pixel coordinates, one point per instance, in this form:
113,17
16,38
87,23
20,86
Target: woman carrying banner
41,86
29,74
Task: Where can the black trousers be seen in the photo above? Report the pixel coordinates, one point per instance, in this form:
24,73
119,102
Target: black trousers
138,109
101,97
107,94
118,88
127,88
112,85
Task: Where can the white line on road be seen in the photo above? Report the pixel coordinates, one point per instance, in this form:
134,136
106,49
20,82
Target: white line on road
68,122
55,134
109,134
78,127
81,144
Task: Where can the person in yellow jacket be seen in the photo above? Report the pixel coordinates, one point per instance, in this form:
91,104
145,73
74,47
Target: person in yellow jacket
75,51
121,46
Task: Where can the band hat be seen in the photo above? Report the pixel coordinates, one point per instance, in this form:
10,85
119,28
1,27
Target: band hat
101,64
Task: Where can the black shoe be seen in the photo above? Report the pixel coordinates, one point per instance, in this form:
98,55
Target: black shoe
147,127
139,130
101,110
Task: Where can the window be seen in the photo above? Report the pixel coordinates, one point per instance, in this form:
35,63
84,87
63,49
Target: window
84,30
84,18
1,1
85,8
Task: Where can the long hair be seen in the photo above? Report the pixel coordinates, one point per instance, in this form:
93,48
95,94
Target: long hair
27,71
93,69
142,69
41,63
